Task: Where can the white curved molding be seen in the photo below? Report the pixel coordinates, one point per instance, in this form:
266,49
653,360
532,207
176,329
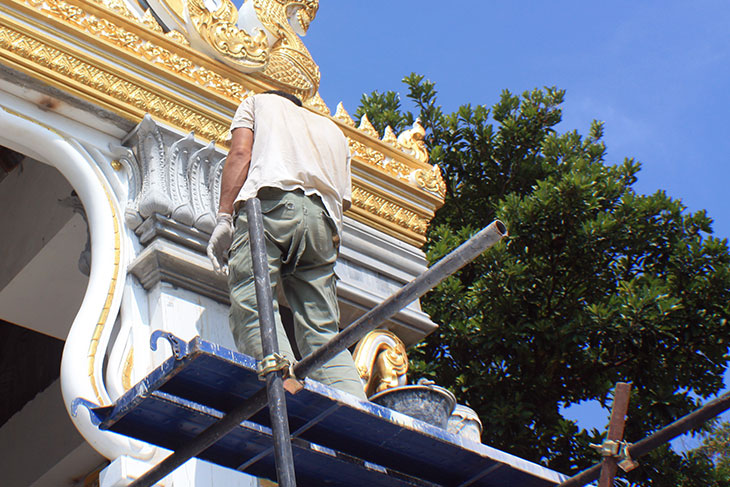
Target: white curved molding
81,365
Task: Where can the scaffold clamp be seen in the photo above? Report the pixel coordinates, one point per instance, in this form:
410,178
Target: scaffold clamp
618,450
272,363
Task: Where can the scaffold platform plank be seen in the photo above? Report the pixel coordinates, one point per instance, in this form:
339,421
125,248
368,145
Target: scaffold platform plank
336,438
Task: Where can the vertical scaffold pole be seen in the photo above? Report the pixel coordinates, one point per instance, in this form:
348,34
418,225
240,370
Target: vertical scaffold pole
615,431
274,382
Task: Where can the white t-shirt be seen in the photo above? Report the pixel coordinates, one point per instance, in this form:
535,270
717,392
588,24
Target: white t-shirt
295,148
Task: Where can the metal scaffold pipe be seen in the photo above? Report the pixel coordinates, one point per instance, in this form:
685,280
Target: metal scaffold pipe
458,258
270,346
454,261
664,435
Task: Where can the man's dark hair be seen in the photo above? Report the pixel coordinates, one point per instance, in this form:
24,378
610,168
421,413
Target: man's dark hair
292,98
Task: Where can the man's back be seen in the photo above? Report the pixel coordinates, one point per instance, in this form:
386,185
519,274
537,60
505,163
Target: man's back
295,148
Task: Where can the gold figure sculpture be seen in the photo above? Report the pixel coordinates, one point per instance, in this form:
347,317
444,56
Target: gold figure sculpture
381,361
290,65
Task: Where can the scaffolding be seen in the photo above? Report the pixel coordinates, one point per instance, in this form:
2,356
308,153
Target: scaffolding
198,403
198,408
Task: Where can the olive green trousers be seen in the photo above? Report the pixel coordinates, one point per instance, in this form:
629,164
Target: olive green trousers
302,247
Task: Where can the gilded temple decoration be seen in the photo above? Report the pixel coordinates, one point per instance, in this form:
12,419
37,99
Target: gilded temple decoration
412,142
389,211
290,65
262,37
342,115
118,6
137,66
149,51
221,36
318,104
381,361
389,137
367,128
430,180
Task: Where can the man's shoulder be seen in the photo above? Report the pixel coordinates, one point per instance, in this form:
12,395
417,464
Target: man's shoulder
325,123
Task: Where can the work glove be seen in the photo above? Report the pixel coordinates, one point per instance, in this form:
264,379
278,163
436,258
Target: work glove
220,242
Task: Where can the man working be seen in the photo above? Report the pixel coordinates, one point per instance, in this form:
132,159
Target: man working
297,163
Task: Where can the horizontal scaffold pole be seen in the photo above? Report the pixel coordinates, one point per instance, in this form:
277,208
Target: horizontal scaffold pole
664,435
454,261
447,266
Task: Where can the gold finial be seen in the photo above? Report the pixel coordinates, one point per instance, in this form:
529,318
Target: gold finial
367,128
317,103
389,137
342,115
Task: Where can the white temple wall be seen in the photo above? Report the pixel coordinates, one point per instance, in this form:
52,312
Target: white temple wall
150,214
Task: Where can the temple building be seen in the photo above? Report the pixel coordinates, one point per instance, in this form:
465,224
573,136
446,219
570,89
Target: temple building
114,118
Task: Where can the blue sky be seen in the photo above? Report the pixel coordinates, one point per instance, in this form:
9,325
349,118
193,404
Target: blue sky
656,72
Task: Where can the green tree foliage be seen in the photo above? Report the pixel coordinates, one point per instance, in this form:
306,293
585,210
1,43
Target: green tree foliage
596,283
384,109
716,449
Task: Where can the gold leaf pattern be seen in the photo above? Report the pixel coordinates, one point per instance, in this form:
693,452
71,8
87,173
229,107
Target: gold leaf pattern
431,180
388,210
67,65
145,49
220,31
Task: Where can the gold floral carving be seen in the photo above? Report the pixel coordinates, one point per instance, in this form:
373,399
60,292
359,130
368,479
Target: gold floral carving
132,43
381,361
150,22
388,210
67,65
220,31
177,37
290,64
376,158
117,6
430,180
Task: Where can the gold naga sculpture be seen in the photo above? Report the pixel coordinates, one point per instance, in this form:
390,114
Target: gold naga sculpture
381,361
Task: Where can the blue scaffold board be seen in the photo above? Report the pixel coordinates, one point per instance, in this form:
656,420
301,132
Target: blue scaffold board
336,438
